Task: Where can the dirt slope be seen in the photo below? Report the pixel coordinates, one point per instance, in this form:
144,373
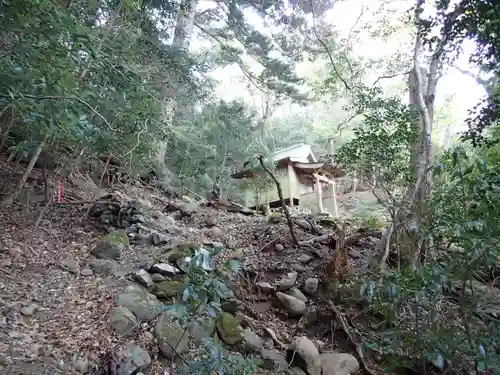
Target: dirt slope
54,313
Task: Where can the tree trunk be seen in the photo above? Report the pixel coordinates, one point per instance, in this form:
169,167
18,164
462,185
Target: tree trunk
5,133
171,89
9,199
182,36
334,192
422,89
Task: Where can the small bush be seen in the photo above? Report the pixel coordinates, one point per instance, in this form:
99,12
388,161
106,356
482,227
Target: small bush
202,295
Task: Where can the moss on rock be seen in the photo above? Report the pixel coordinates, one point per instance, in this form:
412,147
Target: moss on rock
229,329
167,289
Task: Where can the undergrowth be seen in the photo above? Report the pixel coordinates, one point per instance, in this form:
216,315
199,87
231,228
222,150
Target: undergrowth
441,314
204,290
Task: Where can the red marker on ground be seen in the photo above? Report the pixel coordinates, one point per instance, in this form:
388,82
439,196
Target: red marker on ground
58,191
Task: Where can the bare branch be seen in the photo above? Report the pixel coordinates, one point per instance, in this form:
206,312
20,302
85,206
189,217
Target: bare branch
283,205
353,27
480,81
345,327
144,128
330,57
390,76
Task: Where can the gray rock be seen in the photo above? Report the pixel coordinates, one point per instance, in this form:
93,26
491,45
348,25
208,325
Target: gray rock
81,365
273,360
311,285
220,245
229,329
156,277
294,306
111,246
164,269
105,250
168,289
144,278
269,343
86,272
304,224
201,328
215,232
236,254
230,306
327,221
123,272
170,336
338,364
131,359
265,286
211,221
174,230
141,238
307,351
287,281
104,266
262,307
252,340
304,258
297,267
226,292
183,264
137,219
144,305
294,292
279,247
353,253
158,239
188,208
180,251
123,321
130,229
72,266
311,317
29,310
168,220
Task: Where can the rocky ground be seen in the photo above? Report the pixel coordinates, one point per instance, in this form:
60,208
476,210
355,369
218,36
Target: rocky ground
85,290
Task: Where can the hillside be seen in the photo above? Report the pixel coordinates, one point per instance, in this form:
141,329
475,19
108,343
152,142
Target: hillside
60,301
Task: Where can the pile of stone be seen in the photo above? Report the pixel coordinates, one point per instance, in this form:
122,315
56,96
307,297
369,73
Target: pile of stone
135,306
112,213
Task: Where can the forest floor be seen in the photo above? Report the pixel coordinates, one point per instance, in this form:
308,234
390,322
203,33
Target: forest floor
54,311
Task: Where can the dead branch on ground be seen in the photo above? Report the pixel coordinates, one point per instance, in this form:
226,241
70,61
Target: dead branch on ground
263,247
345,327
282,200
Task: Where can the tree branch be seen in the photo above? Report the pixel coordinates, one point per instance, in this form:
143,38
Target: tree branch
477,78
283,205
61,97
247,74
330,57
359,350
390,76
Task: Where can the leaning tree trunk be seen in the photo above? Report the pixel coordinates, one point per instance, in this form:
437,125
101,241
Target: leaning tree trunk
9,199
422,88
